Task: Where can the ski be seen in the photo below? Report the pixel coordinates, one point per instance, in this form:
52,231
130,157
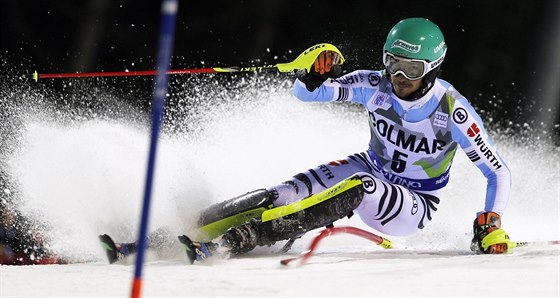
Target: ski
536,243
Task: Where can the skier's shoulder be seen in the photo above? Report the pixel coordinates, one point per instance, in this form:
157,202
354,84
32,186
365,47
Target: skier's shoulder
443,86
447,91
464,117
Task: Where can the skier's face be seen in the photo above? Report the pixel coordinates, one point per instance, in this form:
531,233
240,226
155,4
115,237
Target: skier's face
404,87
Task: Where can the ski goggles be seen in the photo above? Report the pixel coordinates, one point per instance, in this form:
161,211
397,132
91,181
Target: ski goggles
412,69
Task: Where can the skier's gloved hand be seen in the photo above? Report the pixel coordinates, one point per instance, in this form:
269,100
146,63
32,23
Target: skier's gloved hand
489,238
326,65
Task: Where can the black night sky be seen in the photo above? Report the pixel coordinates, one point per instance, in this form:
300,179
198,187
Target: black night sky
502,55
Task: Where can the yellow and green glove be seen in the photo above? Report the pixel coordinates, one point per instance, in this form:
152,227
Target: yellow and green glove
488,237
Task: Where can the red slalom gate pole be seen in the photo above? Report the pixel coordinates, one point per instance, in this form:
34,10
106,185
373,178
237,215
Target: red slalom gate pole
385,243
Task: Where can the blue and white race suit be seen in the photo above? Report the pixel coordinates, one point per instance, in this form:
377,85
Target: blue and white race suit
410,152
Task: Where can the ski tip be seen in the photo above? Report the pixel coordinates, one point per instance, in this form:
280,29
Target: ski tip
184,239
107,242
109,247
189,247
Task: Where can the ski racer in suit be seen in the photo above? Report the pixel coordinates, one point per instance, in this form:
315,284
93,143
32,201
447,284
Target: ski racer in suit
417,122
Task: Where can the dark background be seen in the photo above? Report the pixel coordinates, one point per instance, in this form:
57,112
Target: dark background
502,55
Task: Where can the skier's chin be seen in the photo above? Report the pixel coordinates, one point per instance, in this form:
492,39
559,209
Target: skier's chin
403,91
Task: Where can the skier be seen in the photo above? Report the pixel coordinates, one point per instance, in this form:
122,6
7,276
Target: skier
417,122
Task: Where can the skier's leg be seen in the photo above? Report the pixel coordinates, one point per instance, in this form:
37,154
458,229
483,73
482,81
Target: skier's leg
320,178
160,241
320,210
389,208
260,198
215,220
393,209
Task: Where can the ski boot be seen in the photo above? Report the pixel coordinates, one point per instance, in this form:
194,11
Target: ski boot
116,252
197,251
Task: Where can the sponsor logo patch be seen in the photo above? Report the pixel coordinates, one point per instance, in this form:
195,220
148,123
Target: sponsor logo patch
443,178
373,79
460,115
439,47
473,130
414,206
338,163
368,183
407,141
402,181
440,119
326,171
379,100
486,152
354,79
473,156
437,62
311,49
401,44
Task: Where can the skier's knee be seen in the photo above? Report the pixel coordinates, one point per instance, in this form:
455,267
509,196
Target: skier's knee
324,208
333,204
249,201
215,220
290,191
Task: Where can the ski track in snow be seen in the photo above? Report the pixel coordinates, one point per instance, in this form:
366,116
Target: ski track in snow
95,170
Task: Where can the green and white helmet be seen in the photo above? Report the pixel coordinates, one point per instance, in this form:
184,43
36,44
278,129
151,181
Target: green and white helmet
413,48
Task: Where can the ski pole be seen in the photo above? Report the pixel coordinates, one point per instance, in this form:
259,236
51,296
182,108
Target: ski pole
536,243
164,54
303,61
385,243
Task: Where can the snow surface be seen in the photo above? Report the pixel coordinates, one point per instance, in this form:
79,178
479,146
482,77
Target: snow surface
341,273
86,179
